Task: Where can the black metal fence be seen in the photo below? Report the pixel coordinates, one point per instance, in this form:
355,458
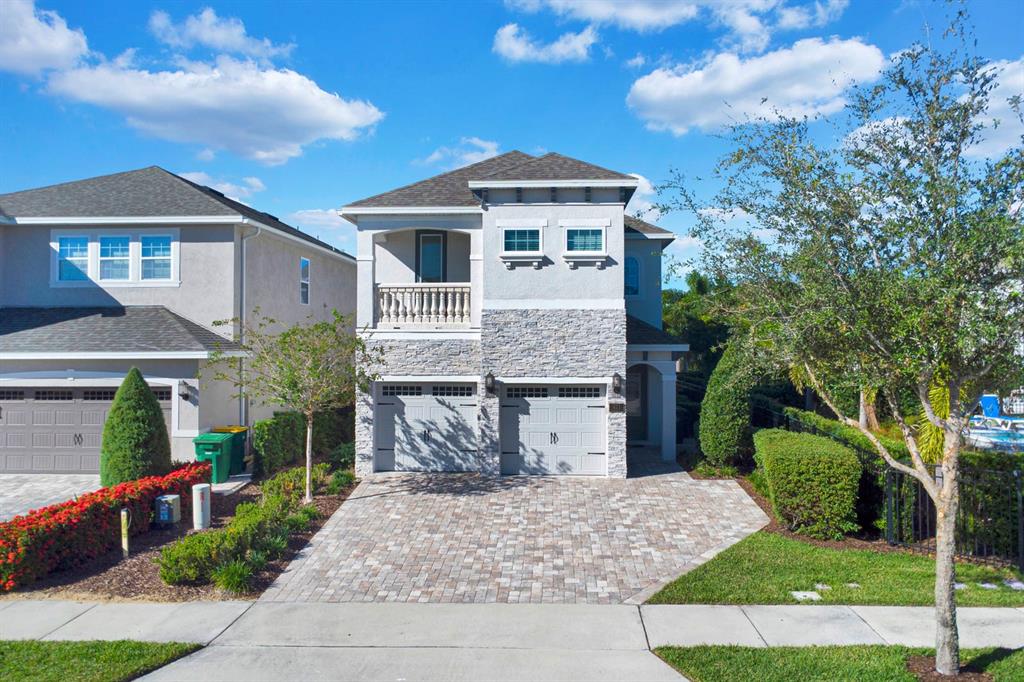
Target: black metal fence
990,521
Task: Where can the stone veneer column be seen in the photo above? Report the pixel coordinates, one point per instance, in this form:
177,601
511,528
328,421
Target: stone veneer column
488,435
616,434
364,433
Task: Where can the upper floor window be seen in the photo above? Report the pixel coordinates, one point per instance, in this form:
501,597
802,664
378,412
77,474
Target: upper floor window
632,269
114,257
521,240
156,257
304,281
589,239
73,259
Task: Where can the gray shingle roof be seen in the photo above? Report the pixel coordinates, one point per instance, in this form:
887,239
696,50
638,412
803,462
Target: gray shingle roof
446,189
452,189
147,192
643,227
554,166
641,333
131,329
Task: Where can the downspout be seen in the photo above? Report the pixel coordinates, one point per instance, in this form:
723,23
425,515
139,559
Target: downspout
243,403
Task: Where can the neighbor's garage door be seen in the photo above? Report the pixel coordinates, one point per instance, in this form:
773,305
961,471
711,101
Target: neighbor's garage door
553,430
426,427
57,430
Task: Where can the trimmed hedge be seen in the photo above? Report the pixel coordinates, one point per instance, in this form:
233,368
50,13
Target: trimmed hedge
812,482
278,442
73,533
135,442
724,425
291,483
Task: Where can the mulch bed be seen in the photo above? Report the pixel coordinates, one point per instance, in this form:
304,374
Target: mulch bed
137,578
923,667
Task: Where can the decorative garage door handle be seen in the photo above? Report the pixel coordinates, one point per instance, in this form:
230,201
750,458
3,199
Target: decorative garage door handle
426,436
78,439
554,438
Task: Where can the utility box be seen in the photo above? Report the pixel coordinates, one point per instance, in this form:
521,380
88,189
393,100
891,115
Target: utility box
168,510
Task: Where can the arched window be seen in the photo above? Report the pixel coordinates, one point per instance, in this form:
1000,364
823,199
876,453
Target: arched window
632,268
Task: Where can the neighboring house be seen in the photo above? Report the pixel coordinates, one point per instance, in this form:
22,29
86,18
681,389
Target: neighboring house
519,309
133,269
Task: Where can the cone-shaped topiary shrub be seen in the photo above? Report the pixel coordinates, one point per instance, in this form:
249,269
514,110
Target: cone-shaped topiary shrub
724,427
135,442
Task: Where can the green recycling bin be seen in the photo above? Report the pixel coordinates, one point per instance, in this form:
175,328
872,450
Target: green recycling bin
215,448
239,434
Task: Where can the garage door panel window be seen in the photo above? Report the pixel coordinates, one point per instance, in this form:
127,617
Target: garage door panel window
454,391
8,395
579,392
53,395
396,390
527,392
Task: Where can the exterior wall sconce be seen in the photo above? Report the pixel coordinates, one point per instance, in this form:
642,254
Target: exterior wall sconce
617,383
185,392
489,383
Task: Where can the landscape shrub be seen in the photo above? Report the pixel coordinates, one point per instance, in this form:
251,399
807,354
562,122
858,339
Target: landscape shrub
339,481
233,577
724,425
278,442
291,483
812,482
135,442
331,428
343,456
73,533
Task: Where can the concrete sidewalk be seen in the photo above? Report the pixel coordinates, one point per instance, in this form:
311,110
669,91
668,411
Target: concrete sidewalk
320,641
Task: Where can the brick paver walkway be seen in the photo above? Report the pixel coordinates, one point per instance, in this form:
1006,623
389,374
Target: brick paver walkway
465,538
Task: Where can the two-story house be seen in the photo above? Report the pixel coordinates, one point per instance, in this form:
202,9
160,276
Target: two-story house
133,269
519,310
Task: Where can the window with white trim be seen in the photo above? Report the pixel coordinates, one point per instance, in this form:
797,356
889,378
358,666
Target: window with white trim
584,239
521,240
453,391
156,256
526,392
389,390
304,281
632,273
115,258
73,259
579,392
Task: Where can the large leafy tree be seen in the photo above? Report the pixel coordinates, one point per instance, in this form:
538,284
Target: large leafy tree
887,259
690,315
310,367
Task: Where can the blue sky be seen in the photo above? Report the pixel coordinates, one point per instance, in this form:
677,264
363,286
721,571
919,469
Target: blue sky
298,108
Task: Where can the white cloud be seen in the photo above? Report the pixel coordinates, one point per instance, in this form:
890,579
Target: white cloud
516,45
998,139
249,185
319,217
468,150
637,61
641,204
34,40
260,113
206,29
808,78
749,23
206,154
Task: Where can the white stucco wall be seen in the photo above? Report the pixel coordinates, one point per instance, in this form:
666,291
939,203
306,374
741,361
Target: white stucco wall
647,304
554,279
206,271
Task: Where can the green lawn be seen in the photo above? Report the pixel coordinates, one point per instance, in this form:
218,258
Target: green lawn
847,663
765,567
85,661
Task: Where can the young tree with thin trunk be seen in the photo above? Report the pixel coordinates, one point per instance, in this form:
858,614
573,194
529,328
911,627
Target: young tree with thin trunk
886,259
310,368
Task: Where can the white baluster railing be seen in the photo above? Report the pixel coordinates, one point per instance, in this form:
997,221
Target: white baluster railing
422,303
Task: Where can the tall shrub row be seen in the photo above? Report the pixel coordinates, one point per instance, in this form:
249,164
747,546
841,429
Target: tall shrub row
75,532
278,442
724,427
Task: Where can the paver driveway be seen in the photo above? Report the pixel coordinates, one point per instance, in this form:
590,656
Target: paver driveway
465,538
21,492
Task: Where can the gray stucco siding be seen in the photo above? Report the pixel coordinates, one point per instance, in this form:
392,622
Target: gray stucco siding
647,304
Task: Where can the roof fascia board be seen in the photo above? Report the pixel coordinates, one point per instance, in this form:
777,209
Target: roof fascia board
407,210
299,240
645,235
128,220
498,184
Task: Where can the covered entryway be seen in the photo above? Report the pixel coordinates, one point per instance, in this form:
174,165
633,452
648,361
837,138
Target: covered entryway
552,430
426,427
59,429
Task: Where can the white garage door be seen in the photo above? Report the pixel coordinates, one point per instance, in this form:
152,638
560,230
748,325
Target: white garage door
553,430
57,430
426,427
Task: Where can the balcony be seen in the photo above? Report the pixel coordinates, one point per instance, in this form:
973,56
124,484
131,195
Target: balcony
423,305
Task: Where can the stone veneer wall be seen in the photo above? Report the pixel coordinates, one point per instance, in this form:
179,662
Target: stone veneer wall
554,343
429,357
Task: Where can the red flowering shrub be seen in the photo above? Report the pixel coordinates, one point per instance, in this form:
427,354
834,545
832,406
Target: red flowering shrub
72,533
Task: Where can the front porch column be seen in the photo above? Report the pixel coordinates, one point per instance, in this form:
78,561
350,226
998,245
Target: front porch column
476,277
668,415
